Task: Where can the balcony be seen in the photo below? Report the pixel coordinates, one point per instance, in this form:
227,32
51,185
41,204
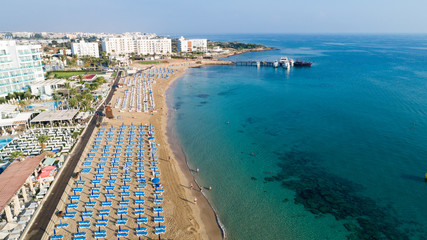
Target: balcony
27,67
24,53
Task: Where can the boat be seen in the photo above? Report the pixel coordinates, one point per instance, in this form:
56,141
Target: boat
276,64
298,63
285,63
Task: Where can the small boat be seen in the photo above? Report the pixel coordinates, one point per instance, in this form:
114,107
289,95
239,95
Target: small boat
276,64
284,62
302,63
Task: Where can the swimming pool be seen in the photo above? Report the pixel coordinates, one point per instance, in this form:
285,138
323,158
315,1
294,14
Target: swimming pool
4,142
50,105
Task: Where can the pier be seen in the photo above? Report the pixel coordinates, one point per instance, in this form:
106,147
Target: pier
254,63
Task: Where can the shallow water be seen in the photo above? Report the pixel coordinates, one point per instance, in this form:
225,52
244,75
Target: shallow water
334,151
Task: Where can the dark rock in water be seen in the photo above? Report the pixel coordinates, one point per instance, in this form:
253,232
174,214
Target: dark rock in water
350,227
253,178
240,131
285,200
228,92
203,102
203,95
269,179
178,105
251,120
321,192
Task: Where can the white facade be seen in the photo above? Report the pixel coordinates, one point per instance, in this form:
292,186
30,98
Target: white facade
20,65
153,46
127,45
192,45
121,45
46,87
85,49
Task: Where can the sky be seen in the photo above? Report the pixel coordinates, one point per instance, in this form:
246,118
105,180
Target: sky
214,17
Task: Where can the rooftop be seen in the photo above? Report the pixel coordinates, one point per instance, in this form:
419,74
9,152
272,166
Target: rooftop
57,115
12,179
20,118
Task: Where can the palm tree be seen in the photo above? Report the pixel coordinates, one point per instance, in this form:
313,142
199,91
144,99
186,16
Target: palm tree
80,78
42,139
89,97
56,97
68,87
75,135
73,91
16,155
72,102
86,104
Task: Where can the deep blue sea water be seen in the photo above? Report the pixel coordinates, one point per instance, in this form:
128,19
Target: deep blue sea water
334,151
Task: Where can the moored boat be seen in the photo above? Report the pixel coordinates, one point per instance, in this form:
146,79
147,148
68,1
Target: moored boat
298,63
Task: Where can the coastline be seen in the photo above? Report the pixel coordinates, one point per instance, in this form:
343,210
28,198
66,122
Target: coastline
204,206
202,217
197,221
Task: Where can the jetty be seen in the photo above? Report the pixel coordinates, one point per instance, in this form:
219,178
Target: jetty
284,62
254,63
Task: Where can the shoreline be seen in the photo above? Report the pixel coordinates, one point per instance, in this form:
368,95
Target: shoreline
182,161
207,221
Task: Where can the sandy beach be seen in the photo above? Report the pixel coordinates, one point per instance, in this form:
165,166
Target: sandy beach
184,218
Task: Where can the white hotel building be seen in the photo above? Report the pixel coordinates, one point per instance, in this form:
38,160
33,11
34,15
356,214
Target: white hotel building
144,46
192,45
20,65
153,46
83,48
118,45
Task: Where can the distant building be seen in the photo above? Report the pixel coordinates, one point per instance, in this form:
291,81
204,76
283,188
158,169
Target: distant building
192,45
118,45
20,65
141,45
153,46
66,52
89,49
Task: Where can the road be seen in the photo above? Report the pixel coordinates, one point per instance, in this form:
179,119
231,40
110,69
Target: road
40,224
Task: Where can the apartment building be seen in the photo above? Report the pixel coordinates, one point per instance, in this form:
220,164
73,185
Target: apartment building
141,46
157,46
20,65
83,48
192,45
118,45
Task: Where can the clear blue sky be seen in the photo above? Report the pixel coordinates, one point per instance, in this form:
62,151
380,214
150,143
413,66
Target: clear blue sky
215,16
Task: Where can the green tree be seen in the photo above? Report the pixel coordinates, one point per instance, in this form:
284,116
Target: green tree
68,87
79,97
42,139
89,97
16,155
85,104
73,91
27,94
72,102
56,98
75,135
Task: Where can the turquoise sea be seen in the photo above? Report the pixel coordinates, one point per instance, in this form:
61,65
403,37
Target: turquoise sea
335,151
